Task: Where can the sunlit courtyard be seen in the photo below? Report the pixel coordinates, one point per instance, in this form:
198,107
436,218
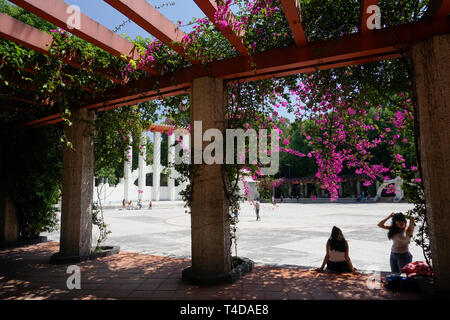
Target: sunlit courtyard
287,234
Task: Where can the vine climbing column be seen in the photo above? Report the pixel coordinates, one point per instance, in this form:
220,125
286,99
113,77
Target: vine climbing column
210,226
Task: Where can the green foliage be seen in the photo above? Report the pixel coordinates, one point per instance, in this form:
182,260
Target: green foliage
250,104
32,173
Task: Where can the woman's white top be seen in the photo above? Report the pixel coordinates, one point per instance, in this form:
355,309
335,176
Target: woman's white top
336,256
400,242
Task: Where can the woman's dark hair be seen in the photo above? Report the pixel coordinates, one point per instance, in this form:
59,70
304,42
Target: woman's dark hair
394,229
334,241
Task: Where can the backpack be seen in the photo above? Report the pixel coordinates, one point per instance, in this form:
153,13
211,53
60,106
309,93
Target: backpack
400,282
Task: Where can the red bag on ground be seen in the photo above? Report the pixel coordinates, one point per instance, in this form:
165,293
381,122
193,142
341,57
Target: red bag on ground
417,268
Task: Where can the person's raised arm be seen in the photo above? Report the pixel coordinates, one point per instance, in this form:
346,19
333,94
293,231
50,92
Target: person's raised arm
410,230
347,257
382,225
325,260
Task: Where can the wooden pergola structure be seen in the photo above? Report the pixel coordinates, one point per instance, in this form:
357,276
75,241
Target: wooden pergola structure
427,42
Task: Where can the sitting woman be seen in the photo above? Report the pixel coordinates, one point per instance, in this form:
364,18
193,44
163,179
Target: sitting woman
337,258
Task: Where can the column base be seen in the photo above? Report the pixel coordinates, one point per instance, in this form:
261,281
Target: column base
245,266
22,243
106,251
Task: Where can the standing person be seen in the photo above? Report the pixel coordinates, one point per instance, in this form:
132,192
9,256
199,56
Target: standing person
257,210
123,204
282,197
401,237
236,214
337,258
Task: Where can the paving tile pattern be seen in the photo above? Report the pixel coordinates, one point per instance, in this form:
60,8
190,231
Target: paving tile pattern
25,273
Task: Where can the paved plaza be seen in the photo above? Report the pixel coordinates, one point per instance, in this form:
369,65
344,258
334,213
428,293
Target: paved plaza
289,234
26,274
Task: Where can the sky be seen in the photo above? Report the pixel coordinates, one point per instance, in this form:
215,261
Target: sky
174,10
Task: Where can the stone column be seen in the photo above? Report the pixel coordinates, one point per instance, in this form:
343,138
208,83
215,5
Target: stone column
170,163
432,87
127,171
156,165
210,225
77,189
142,173
9,225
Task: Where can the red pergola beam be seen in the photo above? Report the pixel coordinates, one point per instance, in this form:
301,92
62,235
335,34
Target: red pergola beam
438,9
21,33
293,12
56,118
347,50
209,7
24,34
44,121
55,12
364,16
152,21
161,128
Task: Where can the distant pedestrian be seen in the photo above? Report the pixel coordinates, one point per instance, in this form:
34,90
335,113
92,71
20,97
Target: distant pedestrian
273,200
150,206
236,215
281,197
257,210
139,204
124,204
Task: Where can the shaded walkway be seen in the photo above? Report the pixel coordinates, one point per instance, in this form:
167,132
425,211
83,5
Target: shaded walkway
25,273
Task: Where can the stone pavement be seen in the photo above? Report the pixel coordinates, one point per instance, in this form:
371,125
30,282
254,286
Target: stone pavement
25,273
290,234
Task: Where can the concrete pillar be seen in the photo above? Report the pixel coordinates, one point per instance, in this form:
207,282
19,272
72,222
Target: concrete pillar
9,225
142,173
171,161
210,225
432,87
77,190
127,171
156,165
